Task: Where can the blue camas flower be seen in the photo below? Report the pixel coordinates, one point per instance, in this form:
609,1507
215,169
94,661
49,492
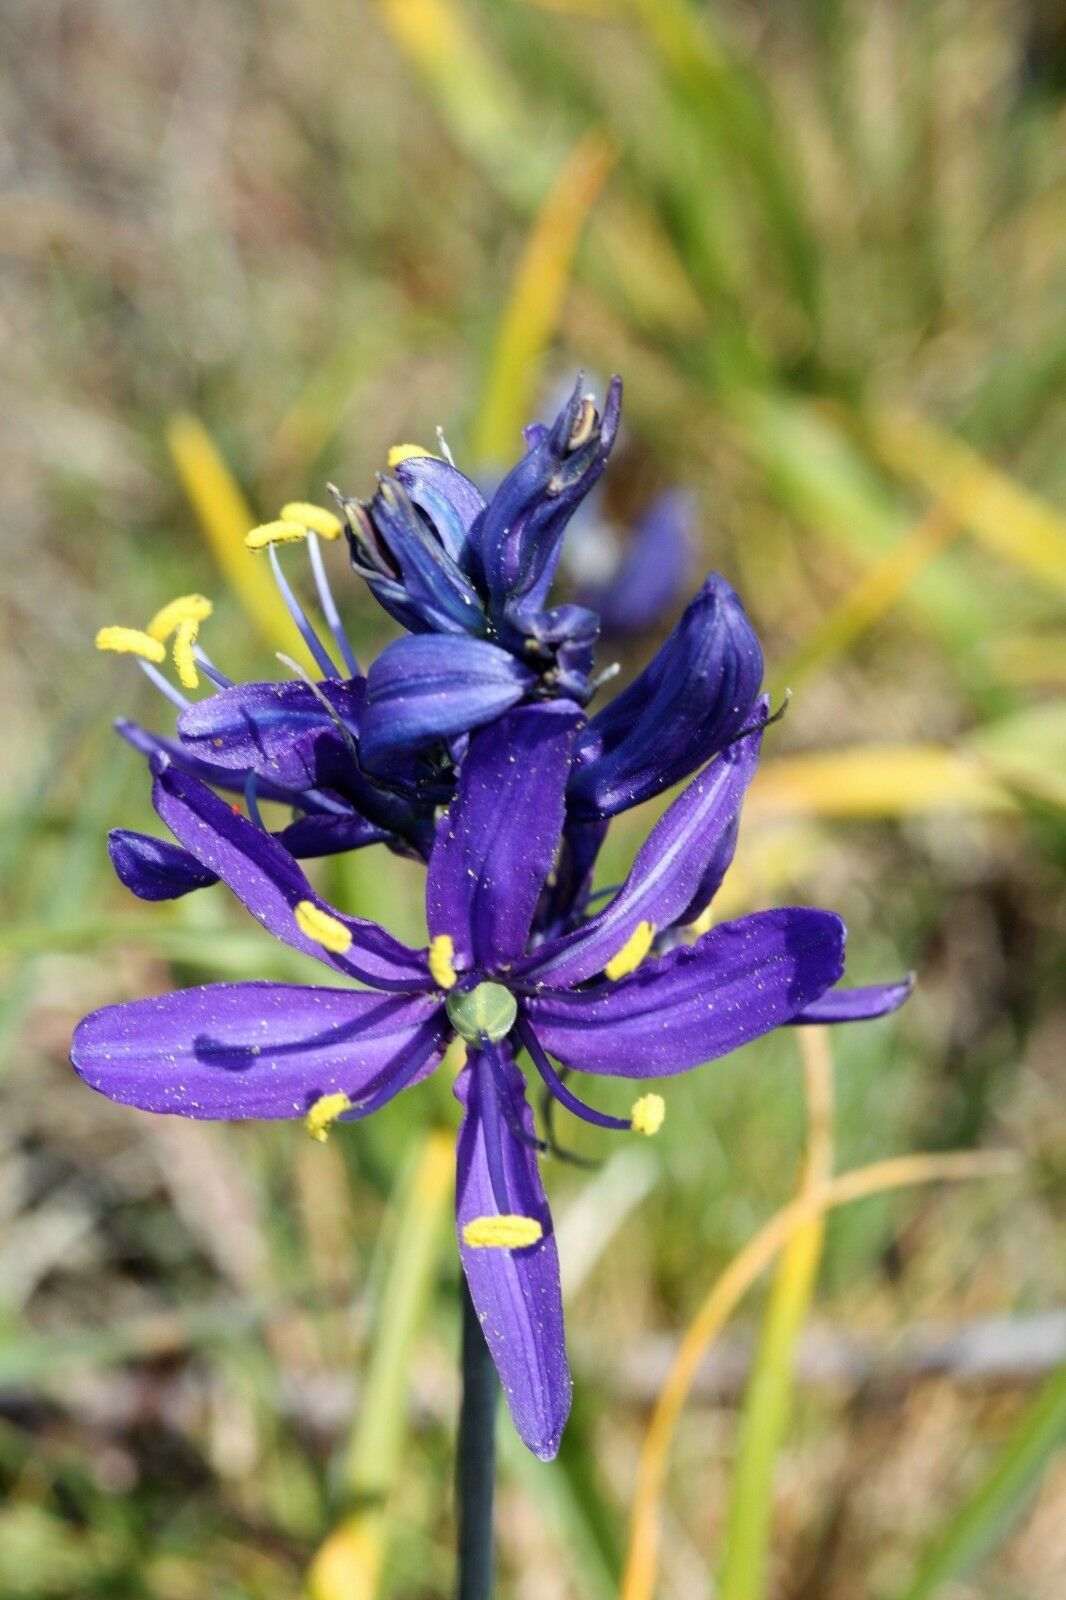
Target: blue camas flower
597,997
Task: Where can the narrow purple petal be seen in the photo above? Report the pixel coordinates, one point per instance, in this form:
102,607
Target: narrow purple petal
154,745
262,726
516,1293
739,981
263,875
155,869
450,502
686,853
495,846
858,1005
234,1050
430,687
329,836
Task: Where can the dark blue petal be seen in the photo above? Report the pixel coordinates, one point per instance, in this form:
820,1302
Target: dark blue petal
697,694
263,875
652,575
858,1005
448,500
516,1293
232,1050
431,687
155,869
559,643
264,727
407,566
154,745
319,835
496,844
681,862
739,981
522,529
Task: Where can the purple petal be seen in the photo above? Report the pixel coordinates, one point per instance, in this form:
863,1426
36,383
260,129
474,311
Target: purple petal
155,869
430,687
261,726
263,875
739,981
154,745
686,855
496,844
516,1293
447,498
233,1050
858,1005
329,836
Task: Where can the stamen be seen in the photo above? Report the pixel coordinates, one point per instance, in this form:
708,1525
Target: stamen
166,619
632,952
130,642
581,432
204,661
506,1100
566,1097
184,656
324,1113
269,534
316,924
441,961
315,518
251,799
649,1113
444,450
327,602
296,612
175,696
324,701
404,452
506,1232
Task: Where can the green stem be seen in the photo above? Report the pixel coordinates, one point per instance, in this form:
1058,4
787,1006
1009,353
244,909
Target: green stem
475,1467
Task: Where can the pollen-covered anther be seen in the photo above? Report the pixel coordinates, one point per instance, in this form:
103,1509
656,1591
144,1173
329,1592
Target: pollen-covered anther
648,1114
130,642
581,432
195,606
505,1232
405,452
184,655
324,1113
316,518
280,532
442,961
316,924
632,952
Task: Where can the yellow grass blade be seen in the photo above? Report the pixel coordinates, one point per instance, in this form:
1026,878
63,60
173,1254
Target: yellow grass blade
532,312
1007,518
877,781
642,1558
225,517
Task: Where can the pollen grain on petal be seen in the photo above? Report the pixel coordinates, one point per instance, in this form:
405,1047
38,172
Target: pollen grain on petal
168,617
316,518
505,1232
324,1113
405,452
280,532
648,1114
184,658
316,924
130,642
442,960
632,952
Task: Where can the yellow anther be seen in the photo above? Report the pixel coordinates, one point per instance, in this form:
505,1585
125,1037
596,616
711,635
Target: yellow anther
282,532
317,518
404,452
632,952
316,924
702,923
184,656
442,961
505,1232
581,432
648,1114
130,642
167,618
324,1113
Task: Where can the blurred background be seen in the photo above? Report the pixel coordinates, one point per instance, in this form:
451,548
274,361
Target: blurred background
244,249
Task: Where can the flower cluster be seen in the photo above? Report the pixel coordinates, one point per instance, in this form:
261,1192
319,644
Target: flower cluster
468,745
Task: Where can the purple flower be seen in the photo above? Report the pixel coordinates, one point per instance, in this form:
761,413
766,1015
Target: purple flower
586,998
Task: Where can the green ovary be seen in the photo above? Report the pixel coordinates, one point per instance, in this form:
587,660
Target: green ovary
486,1012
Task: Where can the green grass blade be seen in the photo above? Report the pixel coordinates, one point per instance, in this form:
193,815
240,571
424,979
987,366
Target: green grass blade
986,1518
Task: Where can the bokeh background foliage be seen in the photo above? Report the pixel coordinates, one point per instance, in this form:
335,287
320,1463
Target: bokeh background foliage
243,249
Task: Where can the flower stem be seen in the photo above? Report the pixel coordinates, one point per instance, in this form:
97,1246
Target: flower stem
475,1467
